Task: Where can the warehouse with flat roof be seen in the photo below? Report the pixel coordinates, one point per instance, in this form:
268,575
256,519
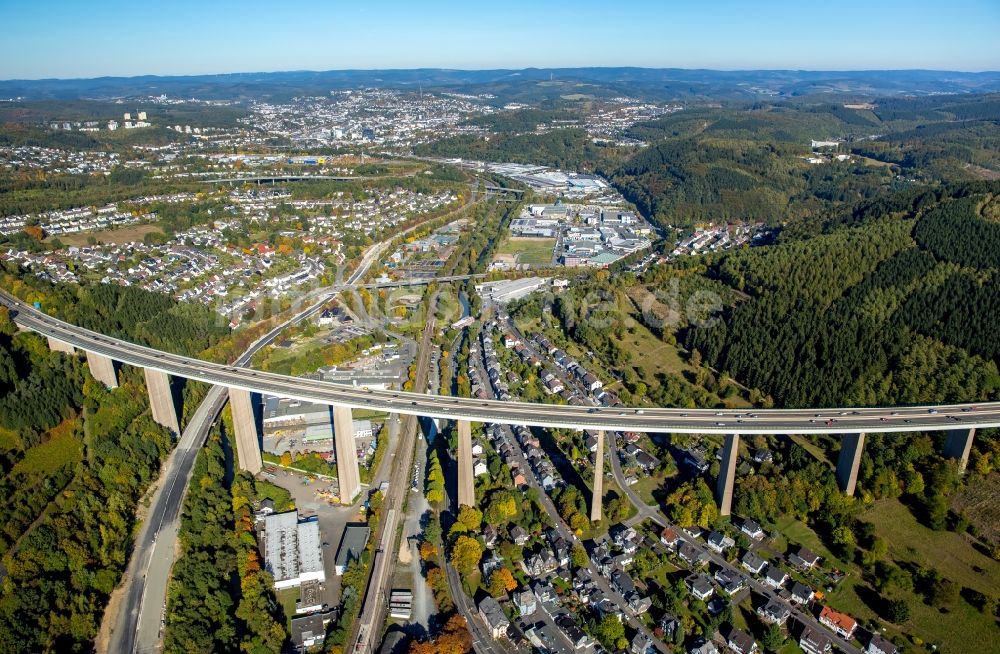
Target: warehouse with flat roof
291,549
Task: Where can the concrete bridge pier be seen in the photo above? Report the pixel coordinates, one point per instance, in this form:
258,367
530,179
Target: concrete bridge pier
849,462
596,504
727,474
348,476
466,482
102,369
958,445
245,426
59,346
161,400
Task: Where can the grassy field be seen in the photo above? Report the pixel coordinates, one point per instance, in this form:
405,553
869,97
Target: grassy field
9,440
962,627
952,554
657,356
529,251
979,502
793,532
126,234
287,598
808,445
64,446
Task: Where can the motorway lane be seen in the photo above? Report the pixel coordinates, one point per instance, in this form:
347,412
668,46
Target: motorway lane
148,572
661,420
654,514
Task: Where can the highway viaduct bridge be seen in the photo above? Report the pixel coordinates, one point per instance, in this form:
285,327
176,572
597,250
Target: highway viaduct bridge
960,421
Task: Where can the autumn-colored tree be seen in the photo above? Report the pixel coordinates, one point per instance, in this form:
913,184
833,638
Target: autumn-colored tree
501,508
453,639
501,582
427,550
286,458
471,517
35,232
465,554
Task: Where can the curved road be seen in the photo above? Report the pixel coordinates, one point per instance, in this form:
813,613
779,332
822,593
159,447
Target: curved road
699,421
137,625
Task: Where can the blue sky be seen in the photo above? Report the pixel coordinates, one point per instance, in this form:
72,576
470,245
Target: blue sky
74,38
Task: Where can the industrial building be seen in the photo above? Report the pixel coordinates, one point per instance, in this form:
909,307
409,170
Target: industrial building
352,545
297,427
291,549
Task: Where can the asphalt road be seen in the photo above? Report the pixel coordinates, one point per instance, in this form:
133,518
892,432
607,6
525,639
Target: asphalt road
138,624
661,420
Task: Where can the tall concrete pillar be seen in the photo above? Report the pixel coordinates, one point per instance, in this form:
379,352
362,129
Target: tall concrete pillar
102,369
60,346
958,445
348,477
161,400
849,462
466,482
598,499
245,425
727,474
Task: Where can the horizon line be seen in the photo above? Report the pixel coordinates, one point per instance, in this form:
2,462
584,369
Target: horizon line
502,69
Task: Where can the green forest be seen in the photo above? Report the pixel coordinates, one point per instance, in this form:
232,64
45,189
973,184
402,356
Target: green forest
220,597
747,161
65,548
75,457
895,310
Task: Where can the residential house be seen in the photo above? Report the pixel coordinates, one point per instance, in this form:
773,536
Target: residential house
605,606
641,644
719,542
540,563
519,535
525,602
814,641
692,555
493,616
669,537
775,577
753,563
702,646
731,582
637,603
310,630
801,593
741,642
491,563
752,529
622,582
841,623
700,586
804,559
490,536
774,612
669,625
572,631
878,644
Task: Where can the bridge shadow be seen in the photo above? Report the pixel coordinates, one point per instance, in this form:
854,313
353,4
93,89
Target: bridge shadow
563,465
177,386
